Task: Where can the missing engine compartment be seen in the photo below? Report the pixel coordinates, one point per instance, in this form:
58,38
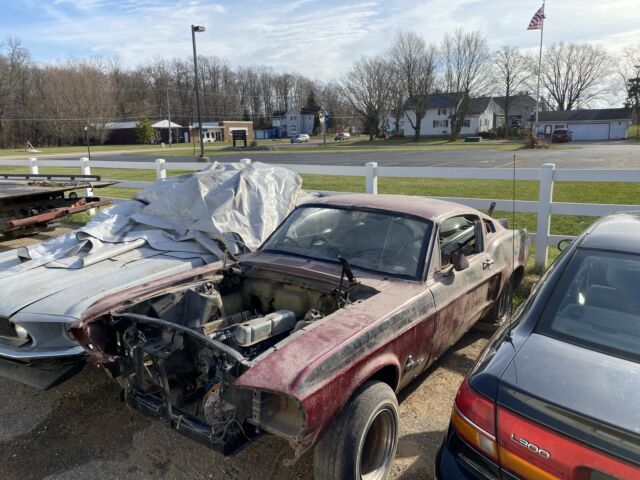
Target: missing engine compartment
180,352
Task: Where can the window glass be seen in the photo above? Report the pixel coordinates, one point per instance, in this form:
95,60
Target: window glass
384,242
596,304
458,233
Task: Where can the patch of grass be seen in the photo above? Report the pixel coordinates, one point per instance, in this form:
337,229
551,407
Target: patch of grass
106,173
578,192
82,150
633,132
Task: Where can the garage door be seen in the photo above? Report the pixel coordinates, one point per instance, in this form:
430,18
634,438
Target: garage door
589,131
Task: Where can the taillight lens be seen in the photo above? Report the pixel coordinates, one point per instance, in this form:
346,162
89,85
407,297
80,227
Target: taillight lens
532,451
473,417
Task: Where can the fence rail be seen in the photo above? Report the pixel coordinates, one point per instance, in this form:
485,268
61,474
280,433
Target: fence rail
544,207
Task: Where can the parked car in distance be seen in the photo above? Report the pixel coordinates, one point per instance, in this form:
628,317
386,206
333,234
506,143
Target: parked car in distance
310,337
300,138
555,394
342,136
561,135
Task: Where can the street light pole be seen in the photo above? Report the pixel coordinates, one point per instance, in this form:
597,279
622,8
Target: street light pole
194,29
86,136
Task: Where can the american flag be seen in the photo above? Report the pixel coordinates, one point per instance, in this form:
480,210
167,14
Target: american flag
536,21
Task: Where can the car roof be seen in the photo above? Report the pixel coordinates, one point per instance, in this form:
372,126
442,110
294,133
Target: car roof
618,231
425,207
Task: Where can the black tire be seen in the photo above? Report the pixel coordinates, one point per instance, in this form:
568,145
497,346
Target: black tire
362,442
501,312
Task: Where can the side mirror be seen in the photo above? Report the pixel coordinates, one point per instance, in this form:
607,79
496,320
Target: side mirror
564,243
459,261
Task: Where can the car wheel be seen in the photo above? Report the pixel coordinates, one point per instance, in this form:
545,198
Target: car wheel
362,442
500,313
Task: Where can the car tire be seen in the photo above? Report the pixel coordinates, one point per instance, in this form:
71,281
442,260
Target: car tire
362,441
501,312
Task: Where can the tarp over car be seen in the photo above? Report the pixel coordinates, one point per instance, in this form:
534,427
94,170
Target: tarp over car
169,227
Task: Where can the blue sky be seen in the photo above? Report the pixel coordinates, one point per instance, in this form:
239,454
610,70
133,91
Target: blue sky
318,38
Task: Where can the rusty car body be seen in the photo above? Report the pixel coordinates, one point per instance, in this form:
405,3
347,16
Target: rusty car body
349,300
174,225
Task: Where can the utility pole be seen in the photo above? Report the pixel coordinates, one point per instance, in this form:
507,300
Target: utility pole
194,29
86,137
535,132
169,115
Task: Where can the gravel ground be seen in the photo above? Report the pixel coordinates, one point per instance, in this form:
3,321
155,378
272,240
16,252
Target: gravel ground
82,430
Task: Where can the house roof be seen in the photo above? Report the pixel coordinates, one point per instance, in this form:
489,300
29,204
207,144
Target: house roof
120,125
586,115
450,100
206,125
279,113
436,100
165,124
517,100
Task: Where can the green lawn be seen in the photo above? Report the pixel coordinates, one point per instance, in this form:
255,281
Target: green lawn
82,150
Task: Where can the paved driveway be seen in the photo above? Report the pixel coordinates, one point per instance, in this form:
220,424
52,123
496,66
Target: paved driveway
587,155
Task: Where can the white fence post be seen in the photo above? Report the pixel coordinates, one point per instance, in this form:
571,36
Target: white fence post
33,166
161,171
371,182
543,227
85,169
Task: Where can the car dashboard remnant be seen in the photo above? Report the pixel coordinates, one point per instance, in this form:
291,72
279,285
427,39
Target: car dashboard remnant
180,352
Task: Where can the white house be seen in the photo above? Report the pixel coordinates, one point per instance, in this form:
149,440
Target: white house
602,124
295,121
483,115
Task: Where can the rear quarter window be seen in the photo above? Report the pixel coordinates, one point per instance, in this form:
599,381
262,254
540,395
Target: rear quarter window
596,304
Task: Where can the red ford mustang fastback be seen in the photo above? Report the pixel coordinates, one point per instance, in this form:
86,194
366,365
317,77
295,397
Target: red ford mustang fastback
310,337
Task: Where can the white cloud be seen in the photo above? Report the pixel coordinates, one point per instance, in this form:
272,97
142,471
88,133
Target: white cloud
320,38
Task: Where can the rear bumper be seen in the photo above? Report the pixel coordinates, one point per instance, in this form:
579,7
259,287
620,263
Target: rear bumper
456,460
41,374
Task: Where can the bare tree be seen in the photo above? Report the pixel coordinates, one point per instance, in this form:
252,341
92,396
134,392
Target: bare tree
511,73
574,75
413,63
465,58
365,90
628,68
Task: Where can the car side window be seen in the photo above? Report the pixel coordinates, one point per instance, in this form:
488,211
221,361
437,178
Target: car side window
459,233
489,227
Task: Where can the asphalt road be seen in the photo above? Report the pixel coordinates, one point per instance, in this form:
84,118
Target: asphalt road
587,155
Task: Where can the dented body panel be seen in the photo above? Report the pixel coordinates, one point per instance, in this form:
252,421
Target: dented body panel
294,386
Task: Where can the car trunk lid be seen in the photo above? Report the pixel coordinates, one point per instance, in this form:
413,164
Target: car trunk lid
570,412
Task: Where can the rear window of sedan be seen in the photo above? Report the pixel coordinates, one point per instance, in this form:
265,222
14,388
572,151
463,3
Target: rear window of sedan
596,304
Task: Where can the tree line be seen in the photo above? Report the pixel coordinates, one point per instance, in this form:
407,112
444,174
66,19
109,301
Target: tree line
50,104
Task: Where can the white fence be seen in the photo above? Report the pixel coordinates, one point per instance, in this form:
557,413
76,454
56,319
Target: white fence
544,207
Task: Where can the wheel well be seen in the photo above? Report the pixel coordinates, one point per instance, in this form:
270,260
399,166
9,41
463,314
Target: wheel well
517,276
388,375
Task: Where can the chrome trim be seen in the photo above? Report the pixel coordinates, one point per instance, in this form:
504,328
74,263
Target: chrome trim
461,415
28,354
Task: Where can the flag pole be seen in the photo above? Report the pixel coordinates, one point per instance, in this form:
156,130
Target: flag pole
535,132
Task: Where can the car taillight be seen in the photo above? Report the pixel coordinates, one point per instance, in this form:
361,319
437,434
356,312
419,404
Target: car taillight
473,417
535,452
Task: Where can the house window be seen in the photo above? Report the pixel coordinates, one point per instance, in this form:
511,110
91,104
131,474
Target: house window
442,111
440,123
466,122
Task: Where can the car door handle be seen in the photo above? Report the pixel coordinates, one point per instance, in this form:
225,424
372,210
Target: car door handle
487,262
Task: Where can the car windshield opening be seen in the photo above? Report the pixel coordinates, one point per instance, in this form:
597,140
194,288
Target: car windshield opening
596,304
384,242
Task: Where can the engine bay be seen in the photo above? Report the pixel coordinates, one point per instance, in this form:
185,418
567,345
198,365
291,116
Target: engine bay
179,353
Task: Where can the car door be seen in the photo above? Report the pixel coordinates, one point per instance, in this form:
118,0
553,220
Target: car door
461,297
